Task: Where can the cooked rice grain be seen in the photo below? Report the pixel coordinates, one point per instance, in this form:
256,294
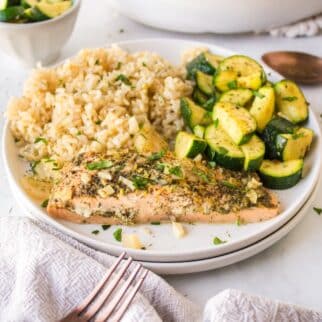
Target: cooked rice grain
85,105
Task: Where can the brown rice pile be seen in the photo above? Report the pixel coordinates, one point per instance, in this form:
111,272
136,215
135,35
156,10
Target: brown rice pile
95,102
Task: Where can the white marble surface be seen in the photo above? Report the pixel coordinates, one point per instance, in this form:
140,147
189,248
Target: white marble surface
291,270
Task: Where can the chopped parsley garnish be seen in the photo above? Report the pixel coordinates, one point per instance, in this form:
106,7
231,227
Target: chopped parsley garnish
48,160
317,210
98,122
289,98
160,166
218,241
201,174
95,232
119,65
105,227
258,94
140,182
232,84
123,79
99,165
33,166
212,164
78,133
222,150
228,184
216,122
156,156
43,140
176,171
57,167
44,204
144,64
156,223
118,234
239,222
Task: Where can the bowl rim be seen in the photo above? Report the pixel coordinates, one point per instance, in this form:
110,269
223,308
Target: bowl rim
73,9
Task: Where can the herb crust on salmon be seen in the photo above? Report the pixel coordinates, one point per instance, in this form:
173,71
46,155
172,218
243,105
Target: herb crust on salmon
126,187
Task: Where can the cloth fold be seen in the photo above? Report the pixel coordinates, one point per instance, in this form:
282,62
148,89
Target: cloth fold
305,28
44,274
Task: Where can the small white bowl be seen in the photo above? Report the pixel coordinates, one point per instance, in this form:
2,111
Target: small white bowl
35,42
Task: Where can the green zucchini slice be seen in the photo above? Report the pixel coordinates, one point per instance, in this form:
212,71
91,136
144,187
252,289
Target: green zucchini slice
199,131
203,100
11,13
222,149
209,105
53,10
205,62
290,101
254,151
237,121
294,146
193,114
239,72
263,107
199,97
188,145
29,3
8,3
276,126
240,96
33,14
281,175
204,83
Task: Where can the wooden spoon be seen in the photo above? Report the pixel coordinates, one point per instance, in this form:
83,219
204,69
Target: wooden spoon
300,67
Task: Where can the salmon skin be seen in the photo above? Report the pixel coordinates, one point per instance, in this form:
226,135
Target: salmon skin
126,187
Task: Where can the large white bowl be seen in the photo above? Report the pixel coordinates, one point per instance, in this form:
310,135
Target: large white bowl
162,245
228,16
38,42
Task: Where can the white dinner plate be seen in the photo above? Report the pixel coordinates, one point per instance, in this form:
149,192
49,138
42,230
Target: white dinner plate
161,245
188,267
208,264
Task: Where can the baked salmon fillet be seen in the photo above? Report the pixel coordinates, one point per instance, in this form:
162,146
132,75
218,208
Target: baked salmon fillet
126,187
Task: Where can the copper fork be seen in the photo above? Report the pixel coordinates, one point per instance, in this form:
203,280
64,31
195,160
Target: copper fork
105,302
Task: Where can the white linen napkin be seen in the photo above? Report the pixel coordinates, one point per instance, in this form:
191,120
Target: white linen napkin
44,274
305,28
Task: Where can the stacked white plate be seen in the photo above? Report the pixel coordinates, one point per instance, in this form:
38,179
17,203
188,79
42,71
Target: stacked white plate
196,252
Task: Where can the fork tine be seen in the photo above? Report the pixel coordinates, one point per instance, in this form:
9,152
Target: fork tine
122,309
105,293
105,313
90,297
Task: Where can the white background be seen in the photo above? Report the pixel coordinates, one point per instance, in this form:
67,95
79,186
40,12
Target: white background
291,270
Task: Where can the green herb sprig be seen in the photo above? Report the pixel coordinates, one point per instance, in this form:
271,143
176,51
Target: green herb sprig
140,182
123,79
118,234
39,139
218,241
156,156
99,165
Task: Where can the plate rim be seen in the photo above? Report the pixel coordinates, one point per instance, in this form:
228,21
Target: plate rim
212,263
138,254
207,264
